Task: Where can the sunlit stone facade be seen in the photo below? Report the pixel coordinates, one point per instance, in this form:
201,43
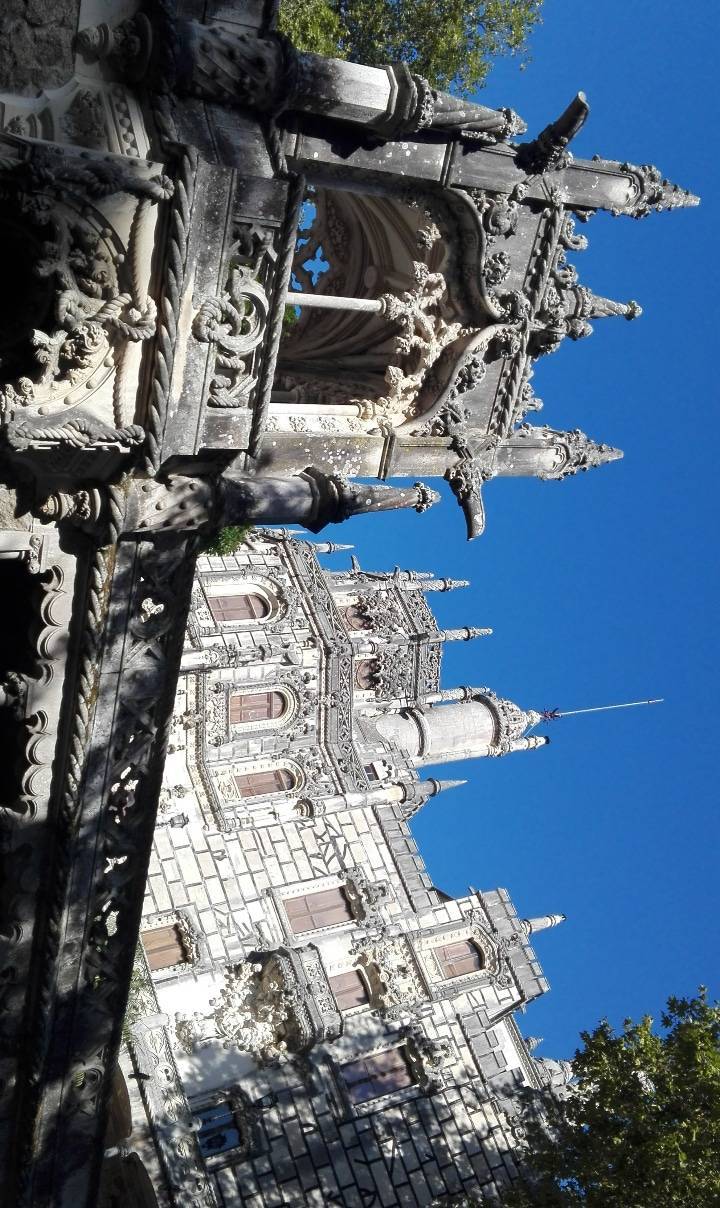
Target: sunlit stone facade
339,1029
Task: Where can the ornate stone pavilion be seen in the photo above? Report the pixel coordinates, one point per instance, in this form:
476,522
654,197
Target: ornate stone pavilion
311,1020
155,387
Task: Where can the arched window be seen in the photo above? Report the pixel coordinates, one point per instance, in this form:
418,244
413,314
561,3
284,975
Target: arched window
260,784
248,707
459,958
366,672
244,606
356,617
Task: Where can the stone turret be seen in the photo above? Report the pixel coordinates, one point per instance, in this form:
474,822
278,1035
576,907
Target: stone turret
479,725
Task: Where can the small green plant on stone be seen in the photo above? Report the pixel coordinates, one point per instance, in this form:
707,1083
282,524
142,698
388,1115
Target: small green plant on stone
290,318
228,539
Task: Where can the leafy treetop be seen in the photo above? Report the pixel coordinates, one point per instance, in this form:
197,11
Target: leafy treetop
450,42
641,1126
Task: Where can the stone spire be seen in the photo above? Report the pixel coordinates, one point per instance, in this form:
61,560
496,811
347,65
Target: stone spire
465,634
532,1043
530,926
419,792
443,584
441,786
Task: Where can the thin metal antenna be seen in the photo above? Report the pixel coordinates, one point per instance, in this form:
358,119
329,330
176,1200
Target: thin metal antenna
554,714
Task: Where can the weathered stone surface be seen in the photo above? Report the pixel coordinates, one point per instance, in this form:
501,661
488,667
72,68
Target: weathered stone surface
36,44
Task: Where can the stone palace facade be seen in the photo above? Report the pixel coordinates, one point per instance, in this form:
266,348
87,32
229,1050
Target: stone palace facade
311,1020
171,363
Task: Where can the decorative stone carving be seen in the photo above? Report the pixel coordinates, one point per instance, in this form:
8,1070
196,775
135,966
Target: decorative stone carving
365,897
428,1059
382,610
276,1004
418,106
511,722
243,1017
392,975
84,121
424,333
235,324
94,296
125,47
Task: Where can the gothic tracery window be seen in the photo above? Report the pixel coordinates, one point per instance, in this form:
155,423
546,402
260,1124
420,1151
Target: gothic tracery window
242,606
261,784
379,1074
312,911
248,707
459,958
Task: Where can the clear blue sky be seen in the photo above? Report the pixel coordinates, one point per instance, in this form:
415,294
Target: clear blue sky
603,588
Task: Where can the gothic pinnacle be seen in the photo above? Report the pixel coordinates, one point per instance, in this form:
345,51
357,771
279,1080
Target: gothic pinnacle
465,634
653,192
530,926
441,786
581,453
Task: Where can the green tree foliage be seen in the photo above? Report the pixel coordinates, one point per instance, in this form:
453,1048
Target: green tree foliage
450,42
642,1128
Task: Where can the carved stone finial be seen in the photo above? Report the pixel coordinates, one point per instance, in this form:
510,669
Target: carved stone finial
596,307
79,506
533,1042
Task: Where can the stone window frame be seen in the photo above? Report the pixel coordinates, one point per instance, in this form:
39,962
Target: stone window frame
253,613
237,730
223,774
351,1110
337,969
450,934
273,580
300,889
242,582
444,960
188,919
246,1122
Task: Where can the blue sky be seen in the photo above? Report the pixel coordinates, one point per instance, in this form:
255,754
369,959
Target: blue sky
603,588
